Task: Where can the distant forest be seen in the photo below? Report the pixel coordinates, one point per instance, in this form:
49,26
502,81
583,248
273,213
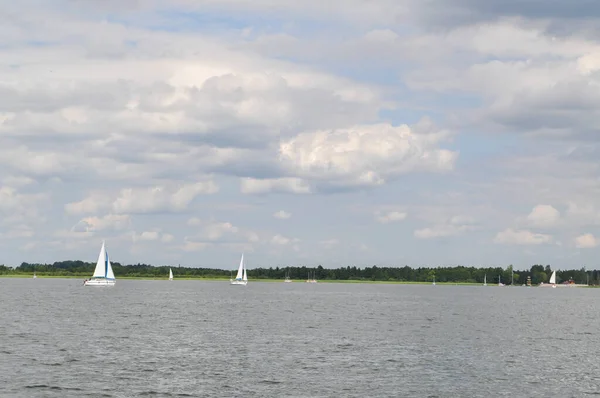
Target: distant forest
458,274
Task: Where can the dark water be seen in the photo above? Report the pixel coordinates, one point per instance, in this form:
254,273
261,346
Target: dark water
210,339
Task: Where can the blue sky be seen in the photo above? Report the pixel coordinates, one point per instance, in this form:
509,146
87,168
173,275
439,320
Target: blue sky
301,133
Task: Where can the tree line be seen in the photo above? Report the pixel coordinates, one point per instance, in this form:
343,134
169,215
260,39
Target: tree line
457,274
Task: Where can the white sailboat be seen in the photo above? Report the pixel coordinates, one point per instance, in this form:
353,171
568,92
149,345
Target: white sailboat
170,274
287,278
551,282
500,281
34,275
485,280
241,278
313,280
103,273
433,281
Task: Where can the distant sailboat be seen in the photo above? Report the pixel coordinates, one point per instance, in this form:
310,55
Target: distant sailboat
551,282
241,278
103,273
485,280
433,281
34,275
309,280
287,278
170,274
500,281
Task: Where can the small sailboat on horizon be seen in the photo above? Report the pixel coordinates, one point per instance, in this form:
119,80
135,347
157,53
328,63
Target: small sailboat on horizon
287,278
551,282
170,274
103,273
241,278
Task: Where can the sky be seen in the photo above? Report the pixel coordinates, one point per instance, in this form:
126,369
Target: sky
390,132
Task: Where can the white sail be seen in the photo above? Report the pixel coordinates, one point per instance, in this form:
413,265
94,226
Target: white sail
485,280
109,271
245,278
170,274
240,271
100,270
553,277
103,273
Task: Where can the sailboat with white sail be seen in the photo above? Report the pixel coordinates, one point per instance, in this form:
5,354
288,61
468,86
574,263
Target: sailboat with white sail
103,273
551,282
485,280
287,278
241,278
170,274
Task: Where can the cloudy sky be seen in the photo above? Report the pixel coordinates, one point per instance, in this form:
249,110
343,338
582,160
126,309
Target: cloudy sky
308,132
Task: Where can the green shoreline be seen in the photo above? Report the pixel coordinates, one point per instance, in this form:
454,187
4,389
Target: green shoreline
147,278
354,281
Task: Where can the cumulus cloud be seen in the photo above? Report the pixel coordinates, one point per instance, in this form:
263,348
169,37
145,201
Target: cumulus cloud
282,215
144,200
521,237
543,216
366,155
278,185
453,226
390,216
586,241
114,222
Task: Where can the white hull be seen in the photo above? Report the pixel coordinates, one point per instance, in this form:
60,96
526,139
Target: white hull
287,281
236,282
100,282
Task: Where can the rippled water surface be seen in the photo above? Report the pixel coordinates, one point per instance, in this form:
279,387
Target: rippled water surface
210,339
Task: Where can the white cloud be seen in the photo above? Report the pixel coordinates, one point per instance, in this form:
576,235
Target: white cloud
521,237
543,216
280,240
114,222
586,241
453,226
440,231
366,155
282,215
167,238
390,216
281,185
330,243
160,199
144,200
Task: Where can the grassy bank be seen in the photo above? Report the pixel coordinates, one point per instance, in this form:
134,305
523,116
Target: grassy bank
150,278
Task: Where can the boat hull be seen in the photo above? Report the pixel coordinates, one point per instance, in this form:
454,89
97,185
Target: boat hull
237,282
100,282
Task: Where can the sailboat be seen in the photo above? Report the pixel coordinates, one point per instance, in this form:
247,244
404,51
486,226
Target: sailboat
287,278
170,274
34,275
500,281
485,280
551,282
433,281
241,278
103,273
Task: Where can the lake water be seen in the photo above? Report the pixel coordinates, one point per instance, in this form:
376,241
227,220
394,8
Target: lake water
210,339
